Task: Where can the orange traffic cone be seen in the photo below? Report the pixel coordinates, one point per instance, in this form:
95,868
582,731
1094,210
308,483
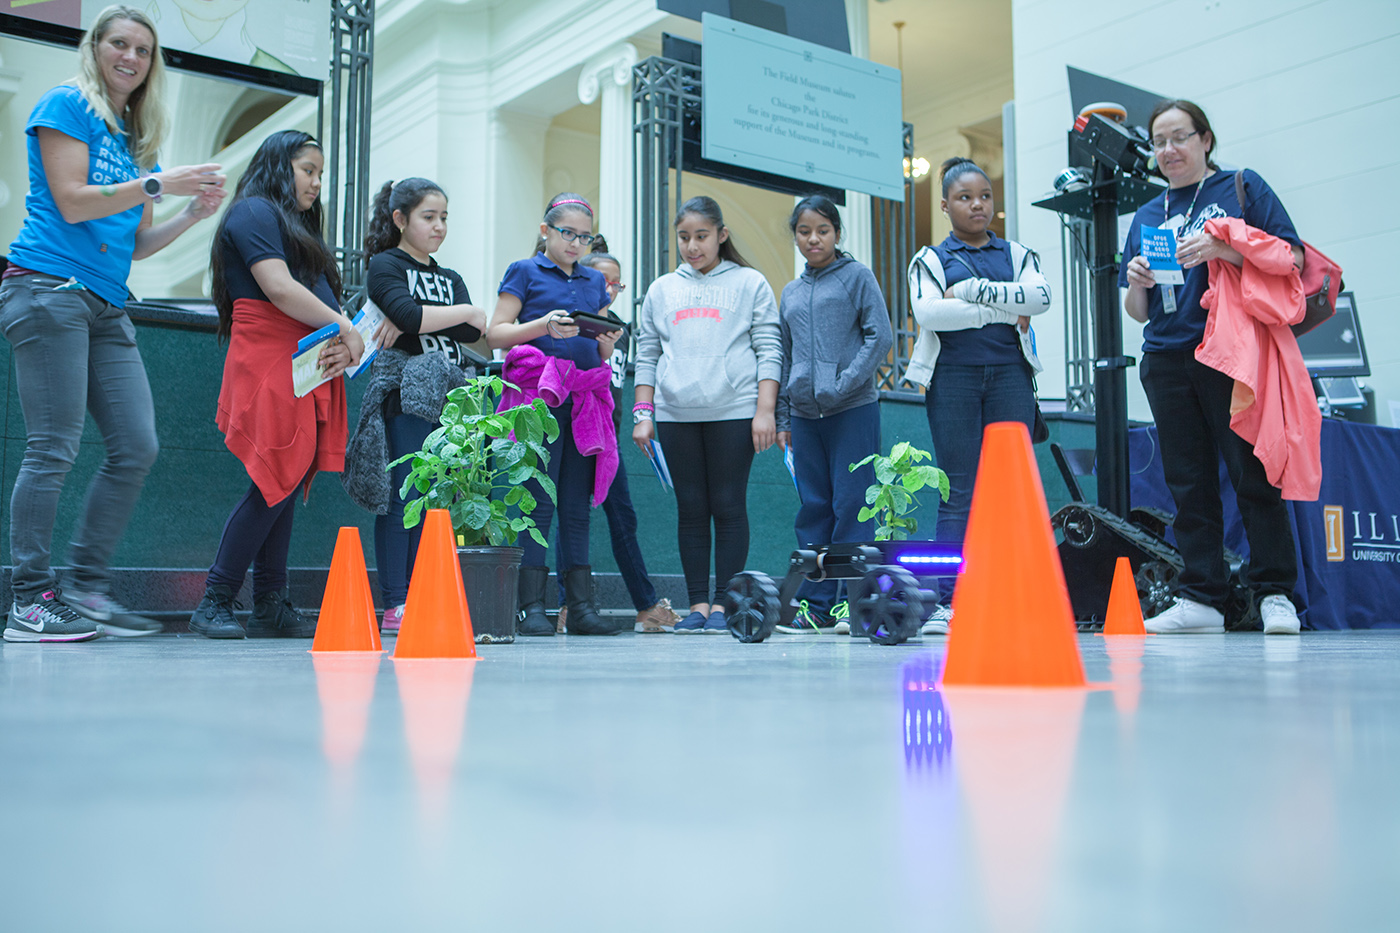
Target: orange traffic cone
1124,611
347,621
436,622
1012,621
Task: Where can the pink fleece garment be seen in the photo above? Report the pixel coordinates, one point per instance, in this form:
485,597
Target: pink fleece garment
1248,338
539,375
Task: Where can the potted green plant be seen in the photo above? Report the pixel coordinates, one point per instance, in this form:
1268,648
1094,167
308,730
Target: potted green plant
476,466
891,498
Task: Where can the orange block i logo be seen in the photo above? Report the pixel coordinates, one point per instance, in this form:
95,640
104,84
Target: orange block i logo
1332,520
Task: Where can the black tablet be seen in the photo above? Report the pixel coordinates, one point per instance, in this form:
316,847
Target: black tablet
591,325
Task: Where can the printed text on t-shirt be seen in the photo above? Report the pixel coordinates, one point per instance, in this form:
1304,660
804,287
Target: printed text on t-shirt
686,314
429,286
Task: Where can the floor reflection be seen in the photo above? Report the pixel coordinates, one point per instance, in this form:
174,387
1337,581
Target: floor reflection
1125,668
345,685
434,696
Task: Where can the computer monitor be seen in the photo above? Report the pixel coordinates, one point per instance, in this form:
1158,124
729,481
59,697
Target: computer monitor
1335,348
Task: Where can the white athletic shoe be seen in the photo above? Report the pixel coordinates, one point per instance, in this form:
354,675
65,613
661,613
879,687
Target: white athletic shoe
1186,617
1280,618
937,623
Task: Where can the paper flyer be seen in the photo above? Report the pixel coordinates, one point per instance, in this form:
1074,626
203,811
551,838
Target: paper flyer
658,463
1159,249
366,322
306,374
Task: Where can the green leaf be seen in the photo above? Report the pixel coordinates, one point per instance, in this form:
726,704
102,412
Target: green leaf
412,513
520,473
547,485
451,414
943,488
871,494
513,496
527,501
860,463
475,512
884,472
539,538
899,454
866,514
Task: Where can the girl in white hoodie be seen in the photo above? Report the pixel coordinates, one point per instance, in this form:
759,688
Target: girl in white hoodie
709,357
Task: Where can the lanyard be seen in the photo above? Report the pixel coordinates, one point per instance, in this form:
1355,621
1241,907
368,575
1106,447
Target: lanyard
1167,203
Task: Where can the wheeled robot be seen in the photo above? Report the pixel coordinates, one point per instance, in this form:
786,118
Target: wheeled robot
887,600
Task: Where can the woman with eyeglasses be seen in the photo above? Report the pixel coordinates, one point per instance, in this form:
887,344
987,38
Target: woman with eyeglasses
532,320
1190,401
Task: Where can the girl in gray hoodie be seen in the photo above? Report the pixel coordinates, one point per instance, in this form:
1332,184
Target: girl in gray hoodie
708,363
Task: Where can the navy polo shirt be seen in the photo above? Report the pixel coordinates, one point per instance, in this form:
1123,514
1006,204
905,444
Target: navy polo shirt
543,287
995,344
1185,328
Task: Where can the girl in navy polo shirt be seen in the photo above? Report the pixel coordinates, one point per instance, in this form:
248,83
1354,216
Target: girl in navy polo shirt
429,323
972,295
533,307
1190,401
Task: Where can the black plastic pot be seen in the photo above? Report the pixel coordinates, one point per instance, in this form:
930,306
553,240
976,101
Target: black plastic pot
491,577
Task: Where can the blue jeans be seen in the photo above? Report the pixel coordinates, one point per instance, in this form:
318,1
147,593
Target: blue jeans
622,527
572,474
74,352
961,402
396,547
823,450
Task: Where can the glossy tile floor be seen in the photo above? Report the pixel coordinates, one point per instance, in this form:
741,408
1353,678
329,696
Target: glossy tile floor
664,783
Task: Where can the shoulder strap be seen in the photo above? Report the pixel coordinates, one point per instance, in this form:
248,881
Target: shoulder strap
1239,189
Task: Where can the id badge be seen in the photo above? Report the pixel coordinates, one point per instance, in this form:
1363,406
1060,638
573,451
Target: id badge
1175,224
1168,298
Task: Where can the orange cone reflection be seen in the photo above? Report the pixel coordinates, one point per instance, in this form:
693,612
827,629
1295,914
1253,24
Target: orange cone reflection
434,695
345,685
1014,760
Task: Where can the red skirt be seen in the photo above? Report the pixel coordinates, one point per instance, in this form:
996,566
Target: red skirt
282,440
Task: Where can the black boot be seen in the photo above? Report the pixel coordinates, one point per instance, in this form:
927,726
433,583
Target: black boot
583,614
214,617
533,620
274,617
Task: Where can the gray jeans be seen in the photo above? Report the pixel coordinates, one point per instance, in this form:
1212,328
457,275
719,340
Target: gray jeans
74,352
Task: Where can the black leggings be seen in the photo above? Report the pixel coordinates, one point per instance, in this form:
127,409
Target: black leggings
709,463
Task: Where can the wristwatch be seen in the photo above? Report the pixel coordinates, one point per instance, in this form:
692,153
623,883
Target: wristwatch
151,184
641,414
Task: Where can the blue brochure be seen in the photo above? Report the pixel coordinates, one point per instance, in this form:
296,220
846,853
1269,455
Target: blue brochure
1159,249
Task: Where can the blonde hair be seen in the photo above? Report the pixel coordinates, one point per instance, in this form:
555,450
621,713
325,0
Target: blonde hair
145,110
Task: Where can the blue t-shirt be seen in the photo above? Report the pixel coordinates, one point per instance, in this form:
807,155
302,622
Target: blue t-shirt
543,287
251,233
995,344
1184,328
95,252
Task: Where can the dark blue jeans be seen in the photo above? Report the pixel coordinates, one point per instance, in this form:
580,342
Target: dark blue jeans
572,474
823,450
622,527
961,401
259,534
396,547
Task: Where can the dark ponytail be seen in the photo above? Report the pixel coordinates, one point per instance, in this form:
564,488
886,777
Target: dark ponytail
956,168
403,197
708,208
559,205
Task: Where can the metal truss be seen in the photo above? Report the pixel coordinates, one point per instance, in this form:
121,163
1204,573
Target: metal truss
1076,239
347,142
892,230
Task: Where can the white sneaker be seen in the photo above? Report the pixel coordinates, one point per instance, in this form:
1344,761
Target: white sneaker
1186,617
1280,618
937,623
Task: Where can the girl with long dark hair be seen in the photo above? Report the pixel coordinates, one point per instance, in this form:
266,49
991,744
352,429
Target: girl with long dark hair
274,282
835,331
973,295
429,323
709,357
532,320
93,181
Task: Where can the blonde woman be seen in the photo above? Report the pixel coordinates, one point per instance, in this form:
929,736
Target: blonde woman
93,180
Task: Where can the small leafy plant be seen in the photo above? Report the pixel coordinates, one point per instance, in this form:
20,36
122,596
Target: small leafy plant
891,498
476,465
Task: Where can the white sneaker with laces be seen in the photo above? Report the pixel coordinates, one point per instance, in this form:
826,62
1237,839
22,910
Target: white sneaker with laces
1186,617
1280,618
937,623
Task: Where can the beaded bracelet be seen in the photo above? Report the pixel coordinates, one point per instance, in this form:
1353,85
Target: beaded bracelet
644,406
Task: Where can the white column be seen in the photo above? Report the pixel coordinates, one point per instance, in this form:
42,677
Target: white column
855,217
609,75
515,186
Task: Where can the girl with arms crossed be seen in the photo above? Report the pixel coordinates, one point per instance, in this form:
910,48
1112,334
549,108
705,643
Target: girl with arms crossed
972,295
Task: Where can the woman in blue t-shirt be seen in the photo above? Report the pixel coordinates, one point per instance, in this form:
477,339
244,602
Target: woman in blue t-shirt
93,180
973,295
536,298
1190,401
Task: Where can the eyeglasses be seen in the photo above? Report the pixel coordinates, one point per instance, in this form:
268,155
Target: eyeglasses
1160,145
569,235
616,286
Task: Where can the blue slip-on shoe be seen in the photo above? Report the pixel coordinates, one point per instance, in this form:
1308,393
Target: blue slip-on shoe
693,624
717,624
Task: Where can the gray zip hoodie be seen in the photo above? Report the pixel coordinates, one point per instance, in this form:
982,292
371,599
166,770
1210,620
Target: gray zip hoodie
705,341
835,331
